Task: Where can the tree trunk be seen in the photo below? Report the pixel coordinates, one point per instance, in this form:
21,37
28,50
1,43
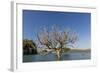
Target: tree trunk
58,53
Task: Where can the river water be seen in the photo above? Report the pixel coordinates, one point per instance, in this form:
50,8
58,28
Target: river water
75,55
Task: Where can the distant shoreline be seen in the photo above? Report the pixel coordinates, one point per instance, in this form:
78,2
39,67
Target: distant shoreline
80,50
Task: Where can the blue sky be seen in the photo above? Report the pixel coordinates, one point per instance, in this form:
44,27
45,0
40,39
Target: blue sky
78,22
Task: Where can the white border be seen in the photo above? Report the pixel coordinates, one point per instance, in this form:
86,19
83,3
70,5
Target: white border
17,64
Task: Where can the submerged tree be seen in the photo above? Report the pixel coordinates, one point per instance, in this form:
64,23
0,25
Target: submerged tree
55,39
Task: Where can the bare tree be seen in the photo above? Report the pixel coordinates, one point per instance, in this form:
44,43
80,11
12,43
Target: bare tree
55,39
43,38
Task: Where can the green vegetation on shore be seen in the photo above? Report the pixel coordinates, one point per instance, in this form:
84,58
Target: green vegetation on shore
29,47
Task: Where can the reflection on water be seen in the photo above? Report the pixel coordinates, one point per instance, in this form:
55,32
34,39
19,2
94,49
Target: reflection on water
77,55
